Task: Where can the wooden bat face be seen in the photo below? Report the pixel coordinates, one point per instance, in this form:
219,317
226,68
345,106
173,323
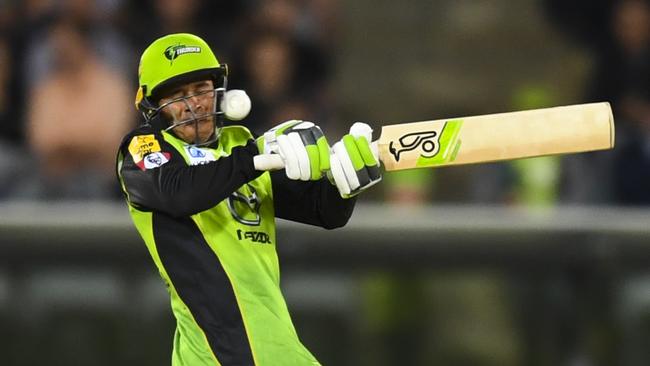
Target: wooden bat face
495,137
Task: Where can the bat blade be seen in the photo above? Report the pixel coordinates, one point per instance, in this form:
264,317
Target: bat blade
496,137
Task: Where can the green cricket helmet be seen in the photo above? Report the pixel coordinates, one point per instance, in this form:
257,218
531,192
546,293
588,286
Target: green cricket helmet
170,62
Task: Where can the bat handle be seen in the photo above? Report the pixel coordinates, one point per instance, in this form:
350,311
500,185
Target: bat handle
266,162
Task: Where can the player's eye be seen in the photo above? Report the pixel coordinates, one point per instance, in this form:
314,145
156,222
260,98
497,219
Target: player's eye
204,93
171,97
204,88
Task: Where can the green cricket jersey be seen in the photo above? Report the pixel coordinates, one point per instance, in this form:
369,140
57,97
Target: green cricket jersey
208,220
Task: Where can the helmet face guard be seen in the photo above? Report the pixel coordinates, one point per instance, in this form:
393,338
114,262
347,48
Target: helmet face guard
200,110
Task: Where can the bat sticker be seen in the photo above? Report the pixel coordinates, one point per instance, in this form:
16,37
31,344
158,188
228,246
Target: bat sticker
414,140
447,146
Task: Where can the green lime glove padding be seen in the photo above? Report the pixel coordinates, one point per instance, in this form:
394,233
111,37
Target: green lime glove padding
363,159
357,167
319,156
353,151
299,132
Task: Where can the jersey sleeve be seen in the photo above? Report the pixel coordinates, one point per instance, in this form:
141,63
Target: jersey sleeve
154,175
310,202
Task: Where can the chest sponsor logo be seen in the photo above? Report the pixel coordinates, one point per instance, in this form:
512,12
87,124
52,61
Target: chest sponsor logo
258,237
244,206
199,155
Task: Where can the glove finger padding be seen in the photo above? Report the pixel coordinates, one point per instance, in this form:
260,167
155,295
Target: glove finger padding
348,159
338,175
291,156
354,165
369,158
303,147
304,160
319,152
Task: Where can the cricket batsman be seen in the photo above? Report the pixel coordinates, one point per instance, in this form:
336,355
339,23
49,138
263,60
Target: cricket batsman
207,216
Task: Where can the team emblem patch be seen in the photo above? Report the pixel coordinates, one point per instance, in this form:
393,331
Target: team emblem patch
143,145
154,160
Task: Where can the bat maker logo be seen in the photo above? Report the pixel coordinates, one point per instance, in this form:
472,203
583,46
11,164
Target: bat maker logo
414,140
435,146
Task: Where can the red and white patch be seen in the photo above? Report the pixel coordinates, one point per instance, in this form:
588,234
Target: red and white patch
154,160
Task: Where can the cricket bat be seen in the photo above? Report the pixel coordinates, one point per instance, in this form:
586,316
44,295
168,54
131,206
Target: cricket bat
488,138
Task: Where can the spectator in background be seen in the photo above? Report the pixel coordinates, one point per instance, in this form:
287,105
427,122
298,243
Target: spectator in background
285,70
215,21
624,75
320,22
11,129
36,12
96,18
622,69
298,24
153,18
8,126
77,114
12,159
270,79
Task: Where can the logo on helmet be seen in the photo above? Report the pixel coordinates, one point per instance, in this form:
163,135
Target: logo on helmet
172,52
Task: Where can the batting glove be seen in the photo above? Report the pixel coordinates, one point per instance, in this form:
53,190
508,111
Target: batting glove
354,163
301,145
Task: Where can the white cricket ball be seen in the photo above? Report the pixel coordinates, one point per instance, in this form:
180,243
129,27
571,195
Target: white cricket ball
236,104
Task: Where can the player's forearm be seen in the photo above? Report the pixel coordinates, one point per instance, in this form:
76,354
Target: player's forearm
310,202
334,210
181,190
197,188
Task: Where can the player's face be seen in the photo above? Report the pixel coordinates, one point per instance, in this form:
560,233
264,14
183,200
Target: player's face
191,108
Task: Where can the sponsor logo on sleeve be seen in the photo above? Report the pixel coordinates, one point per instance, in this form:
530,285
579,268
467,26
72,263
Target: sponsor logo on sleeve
146,152
143,145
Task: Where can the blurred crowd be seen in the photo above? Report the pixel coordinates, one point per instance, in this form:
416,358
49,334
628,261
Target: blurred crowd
68,78
618,34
